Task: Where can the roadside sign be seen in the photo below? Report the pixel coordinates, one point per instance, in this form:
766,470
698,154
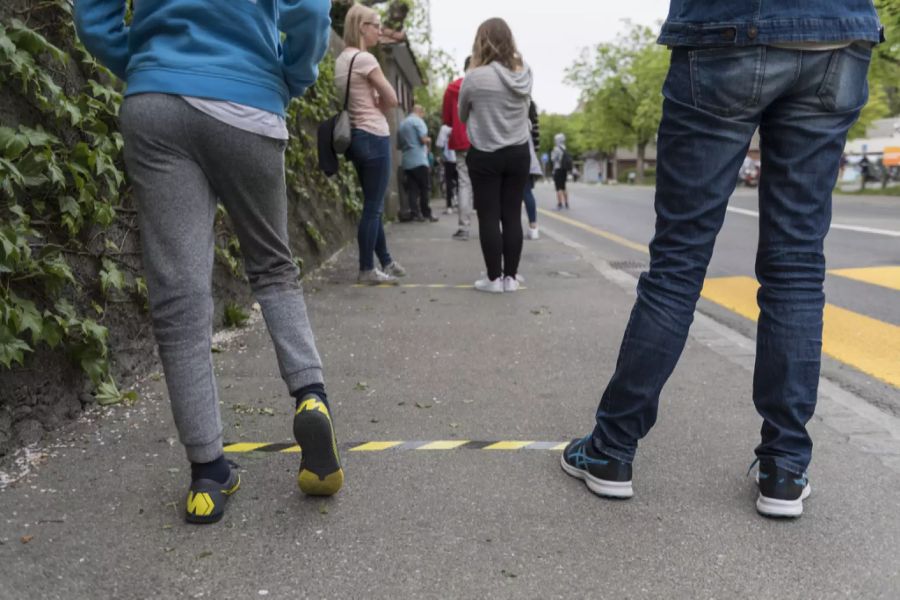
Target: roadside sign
891,156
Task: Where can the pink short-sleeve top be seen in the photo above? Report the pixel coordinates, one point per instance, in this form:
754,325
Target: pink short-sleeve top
363,107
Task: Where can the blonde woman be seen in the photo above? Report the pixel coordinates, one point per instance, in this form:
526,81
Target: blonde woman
371,97
493,103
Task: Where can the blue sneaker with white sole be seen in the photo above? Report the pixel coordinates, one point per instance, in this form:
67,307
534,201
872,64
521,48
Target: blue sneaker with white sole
602,474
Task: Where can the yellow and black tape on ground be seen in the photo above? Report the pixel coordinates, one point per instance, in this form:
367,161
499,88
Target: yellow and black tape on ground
381,446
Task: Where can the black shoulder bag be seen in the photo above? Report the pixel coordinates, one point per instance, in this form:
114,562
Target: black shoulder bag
334,134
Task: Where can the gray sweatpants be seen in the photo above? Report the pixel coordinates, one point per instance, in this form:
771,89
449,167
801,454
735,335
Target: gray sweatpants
180,161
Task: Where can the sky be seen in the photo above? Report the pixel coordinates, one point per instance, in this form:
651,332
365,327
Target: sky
549,33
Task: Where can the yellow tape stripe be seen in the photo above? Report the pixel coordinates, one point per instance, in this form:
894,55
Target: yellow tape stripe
443,445
888,277
598,232
243,447
507,446
375,446
870,345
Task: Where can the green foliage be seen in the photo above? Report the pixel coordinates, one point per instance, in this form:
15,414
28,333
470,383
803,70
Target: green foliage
572,126
52,194
314,234
884,71
235,316
621,89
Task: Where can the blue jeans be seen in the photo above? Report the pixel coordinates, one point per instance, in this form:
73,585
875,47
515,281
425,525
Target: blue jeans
803,103
371,155
530,203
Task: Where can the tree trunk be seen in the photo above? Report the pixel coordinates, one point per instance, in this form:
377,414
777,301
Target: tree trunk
641,151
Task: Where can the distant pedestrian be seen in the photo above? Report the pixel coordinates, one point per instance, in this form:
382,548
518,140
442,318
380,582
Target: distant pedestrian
562,165
459,144
803,97
413,141
534,173
371,97
493,103
865,169
203,122
448,160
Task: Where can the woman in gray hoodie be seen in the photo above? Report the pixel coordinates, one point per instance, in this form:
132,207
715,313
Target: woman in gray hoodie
493,103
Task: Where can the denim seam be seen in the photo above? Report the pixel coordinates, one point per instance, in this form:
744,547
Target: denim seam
788,465
611,452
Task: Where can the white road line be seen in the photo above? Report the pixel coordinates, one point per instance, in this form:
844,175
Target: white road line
858,228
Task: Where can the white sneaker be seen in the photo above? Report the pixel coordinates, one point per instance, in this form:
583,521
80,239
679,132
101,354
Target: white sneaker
532,233
395,269
510,284
449,211
492,286
376,277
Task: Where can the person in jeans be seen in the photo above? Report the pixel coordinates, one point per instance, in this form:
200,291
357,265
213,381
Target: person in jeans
413,142
493,103
798,73
534,173
371,96
459,144
203,122
448,160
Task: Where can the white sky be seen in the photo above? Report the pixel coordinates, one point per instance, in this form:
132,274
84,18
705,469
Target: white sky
550,34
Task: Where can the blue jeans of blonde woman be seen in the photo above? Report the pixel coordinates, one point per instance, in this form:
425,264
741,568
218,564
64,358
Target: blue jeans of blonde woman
371,156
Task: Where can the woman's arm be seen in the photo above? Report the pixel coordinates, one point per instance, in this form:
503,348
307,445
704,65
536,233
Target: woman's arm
387,97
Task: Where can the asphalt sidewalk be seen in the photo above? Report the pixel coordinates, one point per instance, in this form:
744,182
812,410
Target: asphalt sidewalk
439,374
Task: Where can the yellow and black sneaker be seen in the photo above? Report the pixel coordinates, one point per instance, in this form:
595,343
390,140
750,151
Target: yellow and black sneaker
207,498
320,464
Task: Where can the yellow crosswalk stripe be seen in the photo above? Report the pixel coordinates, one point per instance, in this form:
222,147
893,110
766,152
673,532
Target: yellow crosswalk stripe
507,446
618,239
443,445
870,345
888,277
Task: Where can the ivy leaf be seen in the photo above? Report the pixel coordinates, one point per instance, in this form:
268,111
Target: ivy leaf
110,277
108,393
52,331
94,331
29,318
11,143
12,349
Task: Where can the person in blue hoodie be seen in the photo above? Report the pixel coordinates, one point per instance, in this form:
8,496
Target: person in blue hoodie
203,122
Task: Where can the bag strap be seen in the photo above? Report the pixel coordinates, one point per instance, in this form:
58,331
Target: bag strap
349,75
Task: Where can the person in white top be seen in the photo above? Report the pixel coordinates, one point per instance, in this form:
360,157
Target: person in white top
448,158
371,97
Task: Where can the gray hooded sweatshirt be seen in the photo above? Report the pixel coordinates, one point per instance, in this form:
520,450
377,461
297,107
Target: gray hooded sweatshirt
493,103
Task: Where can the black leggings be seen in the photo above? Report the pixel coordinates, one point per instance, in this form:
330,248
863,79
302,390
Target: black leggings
498,185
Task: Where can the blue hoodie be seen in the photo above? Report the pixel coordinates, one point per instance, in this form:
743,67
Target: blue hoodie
219,49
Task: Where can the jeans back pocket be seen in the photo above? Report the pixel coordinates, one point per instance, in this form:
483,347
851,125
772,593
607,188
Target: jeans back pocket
845,84
727,81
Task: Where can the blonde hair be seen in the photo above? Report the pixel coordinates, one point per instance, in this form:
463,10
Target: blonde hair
494,42
353,23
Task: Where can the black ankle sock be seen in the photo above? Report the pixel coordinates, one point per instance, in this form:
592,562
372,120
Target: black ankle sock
217,470
314,388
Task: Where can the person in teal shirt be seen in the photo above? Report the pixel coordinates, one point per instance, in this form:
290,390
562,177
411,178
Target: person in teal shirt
413,142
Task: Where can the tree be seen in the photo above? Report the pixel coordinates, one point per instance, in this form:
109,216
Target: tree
621,85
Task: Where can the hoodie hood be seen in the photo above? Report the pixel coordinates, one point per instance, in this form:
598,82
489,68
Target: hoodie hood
519,82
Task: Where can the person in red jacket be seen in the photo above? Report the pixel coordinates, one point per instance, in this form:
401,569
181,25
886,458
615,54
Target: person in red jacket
459,143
